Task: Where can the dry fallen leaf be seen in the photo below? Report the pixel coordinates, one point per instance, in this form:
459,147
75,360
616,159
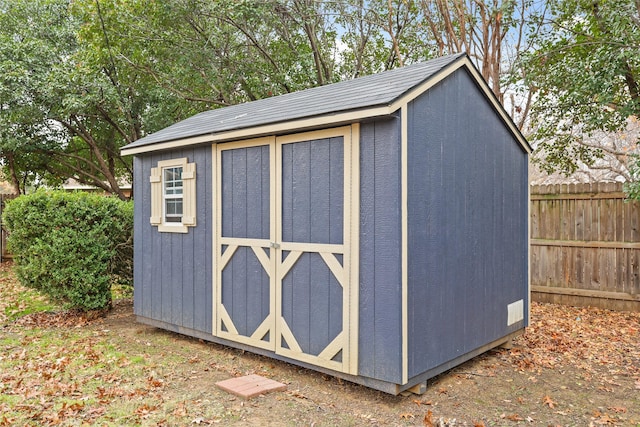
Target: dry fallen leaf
428,419
603,418
549,402
181,410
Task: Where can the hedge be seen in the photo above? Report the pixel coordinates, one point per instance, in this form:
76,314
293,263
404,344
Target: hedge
71,246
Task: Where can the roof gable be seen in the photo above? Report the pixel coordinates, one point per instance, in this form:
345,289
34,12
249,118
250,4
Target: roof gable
367,96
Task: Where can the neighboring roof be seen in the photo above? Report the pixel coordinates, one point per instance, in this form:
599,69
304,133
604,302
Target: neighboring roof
364,94
6,188
72,184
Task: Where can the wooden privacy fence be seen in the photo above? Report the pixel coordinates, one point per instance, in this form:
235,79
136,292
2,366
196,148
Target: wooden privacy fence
585,246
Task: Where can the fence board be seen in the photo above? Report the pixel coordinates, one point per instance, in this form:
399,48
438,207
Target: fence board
585,246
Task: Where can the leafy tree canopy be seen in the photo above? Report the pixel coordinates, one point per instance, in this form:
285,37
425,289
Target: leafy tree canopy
79,79
585,72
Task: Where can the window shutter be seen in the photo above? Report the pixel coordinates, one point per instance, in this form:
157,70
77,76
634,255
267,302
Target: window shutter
156,196
189,191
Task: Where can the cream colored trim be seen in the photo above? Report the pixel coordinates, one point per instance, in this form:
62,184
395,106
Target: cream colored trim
277,128
172,163
289,337
287,263
239,241
188,196
265,261
333,348
354,256
274,254
323,359
228,323
335,267
312,360
344,131
215,238
450,69
254,340
312,247
225,256
217,241
346,341
248,143
404,158
156,196
420,89
178,143
499,108
282,266
343,278
264,328
327,252
172,228
268,262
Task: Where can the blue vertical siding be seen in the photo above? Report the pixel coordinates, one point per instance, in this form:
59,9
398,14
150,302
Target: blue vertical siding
245,214
313,191
467,229
313,212
245,193
173,281
141,259
380,311
245,291
312,303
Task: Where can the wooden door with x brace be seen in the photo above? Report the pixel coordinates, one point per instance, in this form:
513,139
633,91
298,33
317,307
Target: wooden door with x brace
286,279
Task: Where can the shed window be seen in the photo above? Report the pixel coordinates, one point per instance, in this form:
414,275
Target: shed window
173,195
172,184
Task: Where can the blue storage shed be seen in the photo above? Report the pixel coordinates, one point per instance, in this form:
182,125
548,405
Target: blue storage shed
374,229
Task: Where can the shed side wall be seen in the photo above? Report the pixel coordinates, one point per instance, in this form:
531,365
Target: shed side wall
380,317
467,230
172,271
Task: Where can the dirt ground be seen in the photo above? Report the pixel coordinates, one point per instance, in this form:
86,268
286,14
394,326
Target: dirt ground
573,367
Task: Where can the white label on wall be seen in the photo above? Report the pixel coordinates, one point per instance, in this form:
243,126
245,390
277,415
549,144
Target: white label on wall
515,312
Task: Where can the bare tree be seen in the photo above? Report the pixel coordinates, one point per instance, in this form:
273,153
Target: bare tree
616,150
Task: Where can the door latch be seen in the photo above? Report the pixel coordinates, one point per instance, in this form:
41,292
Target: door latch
275,245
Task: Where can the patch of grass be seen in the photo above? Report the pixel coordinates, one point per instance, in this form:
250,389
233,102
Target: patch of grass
121,292
17,301
79,374
27,302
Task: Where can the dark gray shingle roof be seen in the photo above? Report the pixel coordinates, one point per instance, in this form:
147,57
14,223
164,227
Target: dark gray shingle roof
364,92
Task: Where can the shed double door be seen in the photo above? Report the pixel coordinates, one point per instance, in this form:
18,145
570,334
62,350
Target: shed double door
284,277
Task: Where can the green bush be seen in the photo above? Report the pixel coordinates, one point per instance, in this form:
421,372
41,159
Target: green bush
71,246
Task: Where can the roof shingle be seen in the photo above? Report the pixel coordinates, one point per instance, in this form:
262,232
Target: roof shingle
364,92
